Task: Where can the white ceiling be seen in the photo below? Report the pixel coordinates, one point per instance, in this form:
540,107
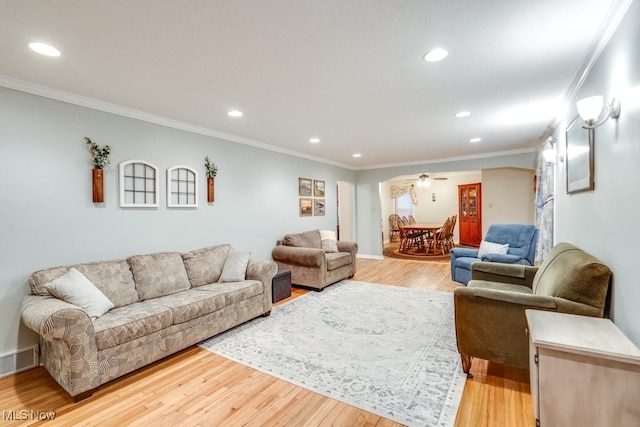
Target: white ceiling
349,72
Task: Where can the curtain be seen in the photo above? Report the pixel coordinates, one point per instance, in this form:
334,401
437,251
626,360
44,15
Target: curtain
399,190
544,194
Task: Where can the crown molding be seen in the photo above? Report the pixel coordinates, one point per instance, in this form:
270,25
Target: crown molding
106,107
453,159
609,25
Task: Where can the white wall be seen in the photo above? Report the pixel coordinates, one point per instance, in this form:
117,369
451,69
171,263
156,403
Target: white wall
507,197
604,221
47,217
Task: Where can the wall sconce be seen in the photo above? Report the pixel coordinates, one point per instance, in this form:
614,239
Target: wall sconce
591,108
549,151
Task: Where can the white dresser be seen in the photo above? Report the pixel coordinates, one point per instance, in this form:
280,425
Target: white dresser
584,372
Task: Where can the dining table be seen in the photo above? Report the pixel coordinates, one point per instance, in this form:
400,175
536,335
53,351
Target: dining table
429,230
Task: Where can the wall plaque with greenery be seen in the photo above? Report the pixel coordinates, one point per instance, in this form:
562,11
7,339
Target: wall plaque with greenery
211,172
99,160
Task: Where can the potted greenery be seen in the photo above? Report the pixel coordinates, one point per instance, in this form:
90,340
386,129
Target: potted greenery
211,172
100,160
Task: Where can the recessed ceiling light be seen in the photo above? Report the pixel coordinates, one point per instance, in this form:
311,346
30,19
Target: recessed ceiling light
44,49
357,155
235,113
314,140
463,114
475,140
435,55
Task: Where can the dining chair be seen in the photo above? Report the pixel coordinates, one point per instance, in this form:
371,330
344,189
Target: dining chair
452,243
393,227
411,238
442,237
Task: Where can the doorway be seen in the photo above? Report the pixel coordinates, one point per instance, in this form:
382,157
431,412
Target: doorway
346,216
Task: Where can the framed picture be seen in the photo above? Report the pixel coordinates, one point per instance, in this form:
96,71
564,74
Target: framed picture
579,154
306,207
318,188
304,187
318,207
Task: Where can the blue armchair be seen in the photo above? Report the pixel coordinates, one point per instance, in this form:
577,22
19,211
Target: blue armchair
522,240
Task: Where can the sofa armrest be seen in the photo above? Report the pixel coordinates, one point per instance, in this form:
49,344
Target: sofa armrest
503,258
509,297
344,246
516,274
53,318
70,351
263,271
464,252
304,257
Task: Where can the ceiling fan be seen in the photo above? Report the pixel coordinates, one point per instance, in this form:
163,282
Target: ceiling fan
435,178
424,180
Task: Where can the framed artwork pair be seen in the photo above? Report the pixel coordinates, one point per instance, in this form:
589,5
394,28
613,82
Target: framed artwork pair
312,201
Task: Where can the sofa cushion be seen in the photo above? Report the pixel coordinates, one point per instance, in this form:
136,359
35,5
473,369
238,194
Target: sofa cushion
127,323
204,265
499,286
235,267
337,260
492,248
113,278
570,273
519,237
73,287
189,304
159,274
235,292
307,239
328,241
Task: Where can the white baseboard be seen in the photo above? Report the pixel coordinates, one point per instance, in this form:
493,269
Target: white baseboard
369,256
18,361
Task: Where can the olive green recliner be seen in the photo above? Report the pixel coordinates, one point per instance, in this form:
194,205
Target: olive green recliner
489,311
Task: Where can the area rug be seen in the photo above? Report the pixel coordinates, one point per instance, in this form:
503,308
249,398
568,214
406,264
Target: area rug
394,252
385,349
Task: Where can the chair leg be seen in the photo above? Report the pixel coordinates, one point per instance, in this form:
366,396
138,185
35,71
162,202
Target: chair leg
466,364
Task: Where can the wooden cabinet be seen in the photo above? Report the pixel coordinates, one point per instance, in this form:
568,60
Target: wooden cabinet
470,214
584,371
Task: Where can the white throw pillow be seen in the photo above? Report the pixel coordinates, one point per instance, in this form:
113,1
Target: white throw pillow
73,287
329,241
235,267
492,248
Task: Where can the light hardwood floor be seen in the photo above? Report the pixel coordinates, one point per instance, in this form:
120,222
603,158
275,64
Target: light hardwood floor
195,387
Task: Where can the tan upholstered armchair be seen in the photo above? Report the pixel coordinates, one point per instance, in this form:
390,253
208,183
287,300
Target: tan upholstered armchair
489,311
315,262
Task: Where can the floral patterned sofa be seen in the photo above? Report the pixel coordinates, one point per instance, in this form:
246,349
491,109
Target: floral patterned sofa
154,305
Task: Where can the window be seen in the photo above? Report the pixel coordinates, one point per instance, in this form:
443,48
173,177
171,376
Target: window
404,205
138,184
181,187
